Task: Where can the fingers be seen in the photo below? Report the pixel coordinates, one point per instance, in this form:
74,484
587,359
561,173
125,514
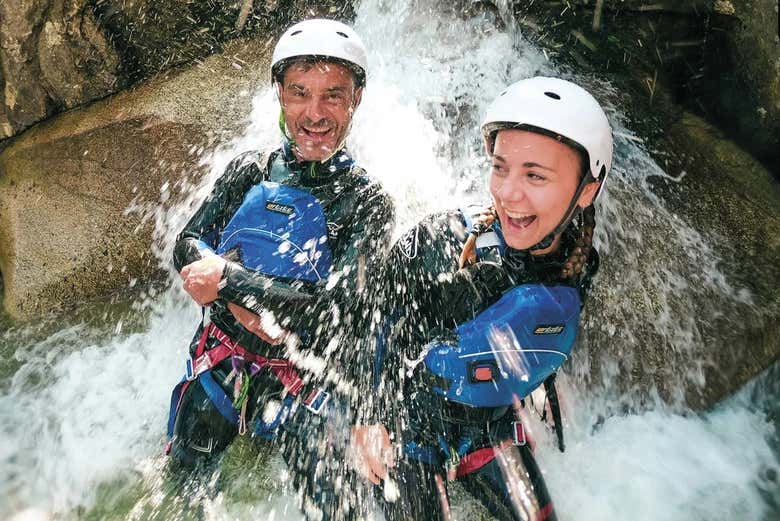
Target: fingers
384,447
202,277
370,475
370,468
200,293
377,468
372,452
256,330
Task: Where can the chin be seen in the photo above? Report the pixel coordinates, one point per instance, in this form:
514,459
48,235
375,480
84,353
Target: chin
519,244
314,153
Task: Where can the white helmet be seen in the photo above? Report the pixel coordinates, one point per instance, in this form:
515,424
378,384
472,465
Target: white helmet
559,107
320,37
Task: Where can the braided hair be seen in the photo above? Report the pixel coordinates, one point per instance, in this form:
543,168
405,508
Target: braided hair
578,258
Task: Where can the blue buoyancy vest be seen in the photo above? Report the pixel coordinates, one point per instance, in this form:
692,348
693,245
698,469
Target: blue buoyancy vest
279,231
510,348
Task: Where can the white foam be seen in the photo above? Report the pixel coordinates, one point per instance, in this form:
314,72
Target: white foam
661,465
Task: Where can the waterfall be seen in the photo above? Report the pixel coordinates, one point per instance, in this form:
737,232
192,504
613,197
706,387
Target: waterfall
84,403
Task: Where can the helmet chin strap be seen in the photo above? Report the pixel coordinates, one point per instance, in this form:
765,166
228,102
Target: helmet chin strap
571,212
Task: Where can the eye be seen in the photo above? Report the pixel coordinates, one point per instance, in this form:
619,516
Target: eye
498,169
534,176
335,97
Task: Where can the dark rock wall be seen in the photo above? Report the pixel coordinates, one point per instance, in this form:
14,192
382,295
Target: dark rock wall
53,57
717,58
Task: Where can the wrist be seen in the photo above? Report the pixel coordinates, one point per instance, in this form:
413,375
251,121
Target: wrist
223,280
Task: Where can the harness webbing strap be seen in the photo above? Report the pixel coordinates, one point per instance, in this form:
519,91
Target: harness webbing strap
477,459
218,397
468,463
205,360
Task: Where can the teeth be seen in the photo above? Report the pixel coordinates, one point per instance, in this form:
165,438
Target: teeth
518,215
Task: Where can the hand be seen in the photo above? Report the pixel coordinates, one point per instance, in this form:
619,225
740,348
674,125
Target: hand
264,326
489,278
201,278
371,452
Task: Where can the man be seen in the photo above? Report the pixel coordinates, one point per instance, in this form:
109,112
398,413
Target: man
279,251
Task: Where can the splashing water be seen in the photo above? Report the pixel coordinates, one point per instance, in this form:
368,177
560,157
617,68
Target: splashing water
83,411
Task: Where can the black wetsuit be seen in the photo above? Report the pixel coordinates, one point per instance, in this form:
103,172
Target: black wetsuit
360,220
429,297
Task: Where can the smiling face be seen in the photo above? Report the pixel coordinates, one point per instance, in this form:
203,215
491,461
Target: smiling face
318,100
532,181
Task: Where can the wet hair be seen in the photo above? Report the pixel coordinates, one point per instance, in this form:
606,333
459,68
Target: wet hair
578,258
307,62
584,223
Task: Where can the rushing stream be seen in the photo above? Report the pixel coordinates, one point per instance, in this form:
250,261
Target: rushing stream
84,403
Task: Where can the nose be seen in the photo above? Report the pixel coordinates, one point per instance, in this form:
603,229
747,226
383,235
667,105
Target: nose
315,110
512,189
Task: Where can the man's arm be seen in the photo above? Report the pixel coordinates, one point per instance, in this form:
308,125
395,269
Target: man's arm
303,306
204,274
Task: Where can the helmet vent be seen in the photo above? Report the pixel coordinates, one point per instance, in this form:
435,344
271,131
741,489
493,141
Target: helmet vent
296,33
552,95
502,94
343,35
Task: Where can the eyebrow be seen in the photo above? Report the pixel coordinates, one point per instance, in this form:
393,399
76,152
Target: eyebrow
527,164
331,90
531,164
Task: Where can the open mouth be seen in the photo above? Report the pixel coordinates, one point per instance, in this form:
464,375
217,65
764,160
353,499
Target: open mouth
521,221
316,134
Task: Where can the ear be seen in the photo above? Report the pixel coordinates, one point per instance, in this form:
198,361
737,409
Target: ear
358,97
588,193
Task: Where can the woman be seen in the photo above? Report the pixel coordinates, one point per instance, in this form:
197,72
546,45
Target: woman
485,308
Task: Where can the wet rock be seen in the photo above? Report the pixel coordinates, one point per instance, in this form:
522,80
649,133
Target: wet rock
686,303
53,58
65,236
717,58
741,86
735,201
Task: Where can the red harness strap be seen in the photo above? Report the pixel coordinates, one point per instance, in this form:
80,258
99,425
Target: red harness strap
477,459
474,461
284,370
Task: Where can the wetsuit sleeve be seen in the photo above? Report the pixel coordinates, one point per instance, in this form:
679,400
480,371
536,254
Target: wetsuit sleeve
301,306
427,296
201,233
